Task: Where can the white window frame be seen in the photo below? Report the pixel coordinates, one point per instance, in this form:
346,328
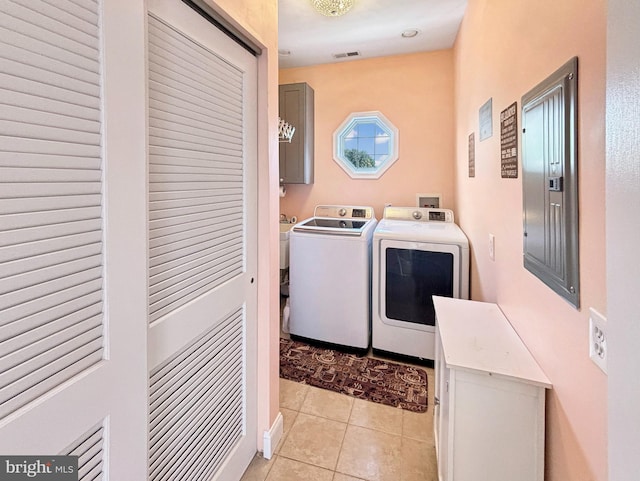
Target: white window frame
346,126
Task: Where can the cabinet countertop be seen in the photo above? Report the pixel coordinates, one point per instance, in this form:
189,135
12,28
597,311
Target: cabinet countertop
477,336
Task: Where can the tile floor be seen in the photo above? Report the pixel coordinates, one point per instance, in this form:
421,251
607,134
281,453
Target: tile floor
334,437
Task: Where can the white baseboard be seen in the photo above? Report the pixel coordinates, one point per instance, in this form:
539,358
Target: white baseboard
272,437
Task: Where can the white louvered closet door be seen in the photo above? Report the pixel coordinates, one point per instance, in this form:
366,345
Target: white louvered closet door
202,248
64,355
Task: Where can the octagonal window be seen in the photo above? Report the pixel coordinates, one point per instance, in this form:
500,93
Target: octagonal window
365,145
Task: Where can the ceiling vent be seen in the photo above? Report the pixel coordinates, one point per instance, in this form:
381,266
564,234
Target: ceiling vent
346,54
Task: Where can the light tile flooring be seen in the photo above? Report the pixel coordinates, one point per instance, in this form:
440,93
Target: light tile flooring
334,437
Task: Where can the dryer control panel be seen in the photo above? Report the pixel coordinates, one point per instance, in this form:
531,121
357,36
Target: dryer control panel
418,214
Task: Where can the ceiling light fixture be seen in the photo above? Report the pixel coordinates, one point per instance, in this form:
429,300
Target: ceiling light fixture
332,8
410,33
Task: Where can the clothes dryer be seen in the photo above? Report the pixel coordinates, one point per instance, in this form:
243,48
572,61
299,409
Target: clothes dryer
417,253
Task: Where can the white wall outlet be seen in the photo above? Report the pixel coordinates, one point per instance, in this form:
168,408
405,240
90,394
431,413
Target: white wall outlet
598,339
492,247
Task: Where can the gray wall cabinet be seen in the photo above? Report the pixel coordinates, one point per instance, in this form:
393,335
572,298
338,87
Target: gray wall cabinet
296,158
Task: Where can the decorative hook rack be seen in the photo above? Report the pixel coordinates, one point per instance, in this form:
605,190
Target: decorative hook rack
285,131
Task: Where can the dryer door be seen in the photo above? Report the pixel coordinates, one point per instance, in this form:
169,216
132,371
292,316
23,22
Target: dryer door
412,272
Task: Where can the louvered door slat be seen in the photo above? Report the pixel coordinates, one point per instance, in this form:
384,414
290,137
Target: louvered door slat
51,320
14,338
83,216
185,141
197,404
191,273
63,369
195,81
18,206
43,351
37,291
224,231
192,248
167,400
161,153
30,279
196,60
180,212
163,157
223,198
181,270
167,233
47,105
90,451
54,19
171,98
46,303
41,90
191,452
50,259
192,410
170,111
27,53
186,291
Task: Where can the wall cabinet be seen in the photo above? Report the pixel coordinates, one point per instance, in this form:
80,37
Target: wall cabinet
490,397
296,158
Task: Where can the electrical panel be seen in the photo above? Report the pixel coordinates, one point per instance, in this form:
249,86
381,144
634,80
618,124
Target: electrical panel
550,181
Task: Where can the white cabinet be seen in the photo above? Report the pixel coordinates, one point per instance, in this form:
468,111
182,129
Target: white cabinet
490,397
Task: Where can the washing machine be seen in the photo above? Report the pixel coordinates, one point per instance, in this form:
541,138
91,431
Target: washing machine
330,276
417,253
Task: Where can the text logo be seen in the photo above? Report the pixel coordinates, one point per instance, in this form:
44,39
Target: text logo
38,468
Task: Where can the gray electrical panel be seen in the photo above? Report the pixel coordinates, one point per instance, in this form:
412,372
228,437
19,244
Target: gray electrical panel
550,182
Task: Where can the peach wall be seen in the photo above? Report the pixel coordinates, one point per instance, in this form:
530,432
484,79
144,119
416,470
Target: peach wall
505,48
259,20
415,92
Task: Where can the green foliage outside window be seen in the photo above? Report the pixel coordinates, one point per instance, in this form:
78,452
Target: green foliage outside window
359,158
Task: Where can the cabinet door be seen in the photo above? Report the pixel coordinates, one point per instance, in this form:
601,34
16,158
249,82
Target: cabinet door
296,157
441,410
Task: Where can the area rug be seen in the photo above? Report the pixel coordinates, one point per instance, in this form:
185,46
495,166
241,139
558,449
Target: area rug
365,378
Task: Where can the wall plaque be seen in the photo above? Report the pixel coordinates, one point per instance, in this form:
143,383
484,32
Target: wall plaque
472,155
509,142
486,125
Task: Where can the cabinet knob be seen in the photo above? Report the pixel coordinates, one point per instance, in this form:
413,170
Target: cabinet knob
281,180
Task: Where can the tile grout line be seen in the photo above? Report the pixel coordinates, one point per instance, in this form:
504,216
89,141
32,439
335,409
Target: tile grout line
335,470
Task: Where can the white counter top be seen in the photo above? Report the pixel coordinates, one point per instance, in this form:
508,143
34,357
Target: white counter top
478,337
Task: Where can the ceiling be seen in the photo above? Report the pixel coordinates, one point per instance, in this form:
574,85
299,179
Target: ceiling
372,27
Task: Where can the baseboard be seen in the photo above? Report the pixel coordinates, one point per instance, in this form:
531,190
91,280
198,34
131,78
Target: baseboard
272,437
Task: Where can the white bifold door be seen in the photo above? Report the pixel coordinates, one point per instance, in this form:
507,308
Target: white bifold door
202,248
72,362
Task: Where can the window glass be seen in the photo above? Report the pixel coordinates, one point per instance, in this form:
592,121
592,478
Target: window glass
365,145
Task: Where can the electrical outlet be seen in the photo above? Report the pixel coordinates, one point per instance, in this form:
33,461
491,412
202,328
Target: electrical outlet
492,247
598,339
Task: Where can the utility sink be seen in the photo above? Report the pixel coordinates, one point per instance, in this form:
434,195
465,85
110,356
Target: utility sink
285,230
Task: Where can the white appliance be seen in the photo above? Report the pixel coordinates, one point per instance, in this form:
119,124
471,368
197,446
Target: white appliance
330,276
417,253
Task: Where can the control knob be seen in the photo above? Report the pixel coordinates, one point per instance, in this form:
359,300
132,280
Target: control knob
417,215
342,212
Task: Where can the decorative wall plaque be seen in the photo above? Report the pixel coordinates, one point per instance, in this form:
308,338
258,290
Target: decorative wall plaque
486,125
509,142
472,155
